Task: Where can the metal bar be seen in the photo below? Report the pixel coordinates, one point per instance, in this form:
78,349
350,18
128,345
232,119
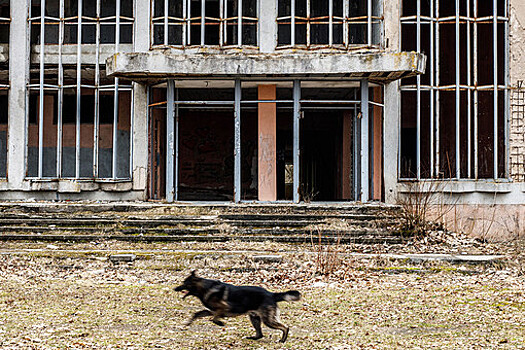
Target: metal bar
507,95
237,143
330,22
239,23
221,23
438,100
308,25
495,69
292,23
476,94
469,96
432,84
79,90
41,91
116,97
152,24
369,22
60,91
203,21
176,141
170,142
458,94
357,154
96,125
189,21
364,188
296,139
418,96
166,14
345,22
185,25
131,133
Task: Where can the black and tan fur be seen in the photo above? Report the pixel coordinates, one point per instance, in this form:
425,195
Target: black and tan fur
226,300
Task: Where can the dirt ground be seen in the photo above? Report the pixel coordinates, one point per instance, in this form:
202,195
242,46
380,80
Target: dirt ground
70,296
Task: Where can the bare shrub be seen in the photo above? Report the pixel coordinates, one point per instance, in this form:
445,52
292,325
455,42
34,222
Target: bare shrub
328,257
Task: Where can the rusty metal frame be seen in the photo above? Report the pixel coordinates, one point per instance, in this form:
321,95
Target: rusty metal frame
472,88
165,22
42,20
373,36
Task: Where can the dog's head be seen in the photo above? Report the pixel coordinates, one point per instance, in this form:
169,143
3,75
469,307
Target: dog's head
191,285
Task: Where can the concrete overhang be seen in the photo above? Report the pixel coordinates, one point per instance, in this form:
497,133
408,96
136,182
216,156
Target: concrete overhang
377,66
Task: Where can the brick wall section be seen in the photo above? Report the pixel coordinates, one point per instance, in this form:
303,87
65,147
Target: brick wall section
517,133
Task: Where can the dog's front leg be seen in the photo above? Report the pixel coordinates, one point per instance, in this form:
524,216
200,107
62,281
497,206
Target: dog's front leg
256,322
199,314
217,318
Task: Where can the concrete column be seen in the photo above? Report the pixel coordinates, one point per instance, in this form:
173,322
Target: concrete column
365,139
267,144
140,101
391,119
18,75
267,25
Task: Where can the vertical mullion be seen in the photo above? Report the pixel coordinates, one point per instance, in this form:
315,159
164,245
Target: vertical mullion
458,94
184,23
116,96
476,94
221,23
166,11
203,21
152,24
237,143
41,90
432,88
345,22
296,140
507,97
418,97
79,90
438,99
308,26
60,89
495,69
292,23
369,22
170,140
469,96
176,141
364,154
188,20
239,23
330,22
96,125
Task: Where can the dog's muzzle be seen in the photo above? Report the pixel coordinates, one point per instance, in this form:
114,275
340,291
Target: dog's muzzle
182,289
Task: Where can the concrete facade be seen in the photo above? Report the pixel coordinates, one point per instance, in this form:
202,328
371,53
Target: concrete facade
146,65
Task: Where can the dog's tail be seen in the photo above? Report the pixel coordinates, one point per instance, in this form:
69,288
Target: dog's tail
291,295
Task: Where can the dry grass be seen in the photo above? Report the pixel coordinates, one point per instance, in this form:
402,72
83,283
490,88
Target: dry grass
55,300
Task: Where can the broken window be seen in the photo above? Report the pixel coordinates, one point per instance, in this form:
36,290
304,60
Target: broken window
79,119
329,23
454,118
222,23
4,83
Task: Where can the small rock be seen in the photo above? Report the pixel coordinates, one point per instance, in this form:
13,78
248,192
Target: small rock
319,284
268,258
122,258
51,246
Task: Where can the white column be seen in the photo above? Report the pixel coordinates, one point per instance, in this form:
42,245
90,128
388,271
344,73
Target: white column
18,75
140,102
267,25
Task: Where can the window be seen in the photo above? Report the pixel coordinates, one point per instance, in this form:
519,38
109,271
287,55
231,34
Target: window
454,118
329,23
221,23
79,119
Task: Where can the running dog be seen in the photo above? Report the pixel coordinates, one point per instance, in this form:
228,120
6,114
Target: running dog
226,300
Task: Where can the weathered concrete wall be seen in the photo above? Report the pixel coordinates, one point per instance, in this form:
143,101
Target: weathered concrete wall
517,79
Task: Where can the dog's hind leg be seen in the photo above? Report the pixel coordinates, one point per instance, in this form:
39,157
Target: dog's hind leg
270,317
199,314
256,322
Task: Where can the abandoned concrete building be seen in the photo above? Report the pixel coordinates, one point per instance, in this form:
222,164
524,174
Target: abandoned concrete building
261,100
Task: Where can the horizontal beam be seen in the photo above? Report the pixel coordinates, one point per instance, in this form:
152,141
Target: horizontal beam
375,66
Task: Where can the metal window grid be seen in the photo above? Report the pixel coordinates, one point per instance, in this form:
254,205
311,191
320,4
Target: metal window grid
186,20
472,88
373,20
42,20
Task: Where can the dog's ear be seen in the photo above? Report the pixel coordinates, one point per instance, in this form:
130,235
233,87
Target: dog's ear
193,273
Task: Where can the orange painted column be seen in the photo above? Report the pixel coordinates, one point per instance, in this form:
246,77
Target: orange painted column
378,146
267,140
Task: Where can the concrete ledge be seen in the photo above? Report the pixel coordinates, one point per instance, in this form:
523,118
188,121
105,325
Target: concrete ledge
69,53
375,65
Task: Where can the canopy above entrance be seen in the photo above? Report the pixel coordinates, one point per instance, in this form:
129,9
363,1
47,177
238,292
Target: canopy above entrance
378,66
